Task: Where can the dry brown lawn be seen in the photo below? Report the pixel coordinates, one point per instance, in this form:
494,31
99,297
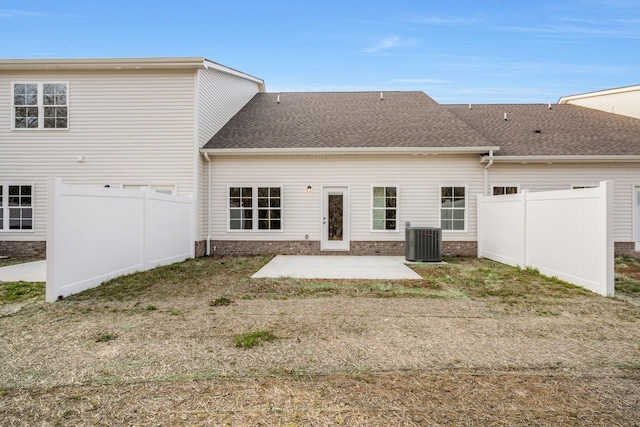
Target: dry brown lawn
473,343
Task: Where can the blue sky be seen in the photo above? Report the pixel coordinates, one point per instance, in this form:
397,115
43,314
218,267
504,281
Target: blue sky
456,51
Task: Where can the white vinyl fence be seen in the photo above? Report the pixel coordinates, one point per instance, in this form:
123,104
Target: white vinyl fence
96,234
566,233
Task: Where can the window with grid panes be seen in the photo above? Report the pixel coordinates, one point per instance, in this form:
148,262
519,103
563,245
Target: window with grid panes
269,208
385,208
241,208
453,207
40,106
16,207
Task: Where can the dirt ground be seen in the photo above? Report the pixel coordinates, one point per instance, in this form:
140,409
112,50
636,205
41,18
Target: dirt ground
473,343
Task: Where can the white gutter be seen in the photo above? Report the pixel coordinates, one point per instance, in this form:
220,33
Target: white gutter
563,159
345,151
486,174
191,63
208,250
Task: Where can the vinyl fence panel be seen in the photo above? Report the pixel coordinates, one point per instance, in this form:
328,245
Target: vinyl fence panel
567,234
96,234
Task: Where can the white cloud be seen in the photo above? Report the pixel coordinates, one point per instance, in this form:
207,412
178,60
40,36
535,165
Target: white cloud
419,81
14,13
8,13
439,20
392,42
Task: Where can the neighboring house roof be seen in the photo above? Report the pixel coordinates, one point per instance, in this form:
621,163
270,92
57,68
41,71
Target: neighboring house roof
623,100
606,92
562,130
345,122
176,63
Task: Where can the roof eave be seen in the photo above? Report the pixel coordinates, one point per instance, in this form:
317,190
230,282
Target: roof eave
347,151
219,67
564,159
166,63
102,63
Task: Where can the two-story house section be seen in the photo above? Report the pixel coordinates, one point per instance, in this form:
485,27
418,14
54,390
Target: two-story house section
125,123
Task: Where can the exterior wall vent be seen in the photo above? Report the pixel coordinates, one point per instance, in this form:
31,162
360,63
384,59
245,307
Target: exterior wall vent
423,244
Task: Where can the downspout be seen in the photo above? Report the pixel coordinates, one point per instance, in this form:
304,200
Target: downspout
486,174
208,250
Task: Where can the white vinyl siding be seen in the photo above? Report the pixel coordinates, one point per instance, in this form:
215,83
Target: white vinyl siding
417,178
220,97
127,127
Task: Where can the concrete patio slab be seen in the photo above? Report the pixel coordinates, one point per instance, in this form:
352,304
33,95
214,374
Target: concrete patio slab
28,272
337,267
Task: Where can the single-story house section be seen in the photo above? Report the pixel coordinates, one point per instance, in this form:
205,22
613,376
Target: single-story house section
310,173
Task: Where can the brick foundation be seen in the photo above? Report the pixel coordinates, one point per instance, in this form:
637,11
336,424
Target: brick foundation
305,247
626,248
38,249
32,249
460,248
201,248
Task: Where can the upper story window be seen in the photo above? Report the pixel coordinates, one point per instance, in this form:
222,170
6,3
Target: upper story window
385,208
40,106
453,208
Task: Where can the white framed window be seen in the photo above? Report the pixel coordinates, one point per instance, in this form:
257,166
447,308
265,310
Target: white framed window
453,208
499,190
43,105
16,207
384,208
255,208
269,208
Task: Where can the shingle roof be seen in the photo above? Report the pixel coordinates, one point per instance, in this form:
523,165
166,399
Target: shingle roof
563,129
344,120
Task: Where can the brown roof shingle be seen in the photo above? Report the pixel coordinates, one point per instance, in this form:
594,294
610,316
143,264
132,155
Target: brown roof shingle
564,130
344,120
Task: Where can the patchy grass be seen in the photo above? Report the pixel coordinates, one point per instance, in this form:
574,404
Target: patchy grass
222,301
107,337
473,342
459,278
252,339
15,292
483,278
627,279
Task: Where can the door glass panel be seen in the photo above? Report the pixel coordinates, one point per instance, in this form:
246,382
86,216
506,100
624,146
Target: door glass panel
335,217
